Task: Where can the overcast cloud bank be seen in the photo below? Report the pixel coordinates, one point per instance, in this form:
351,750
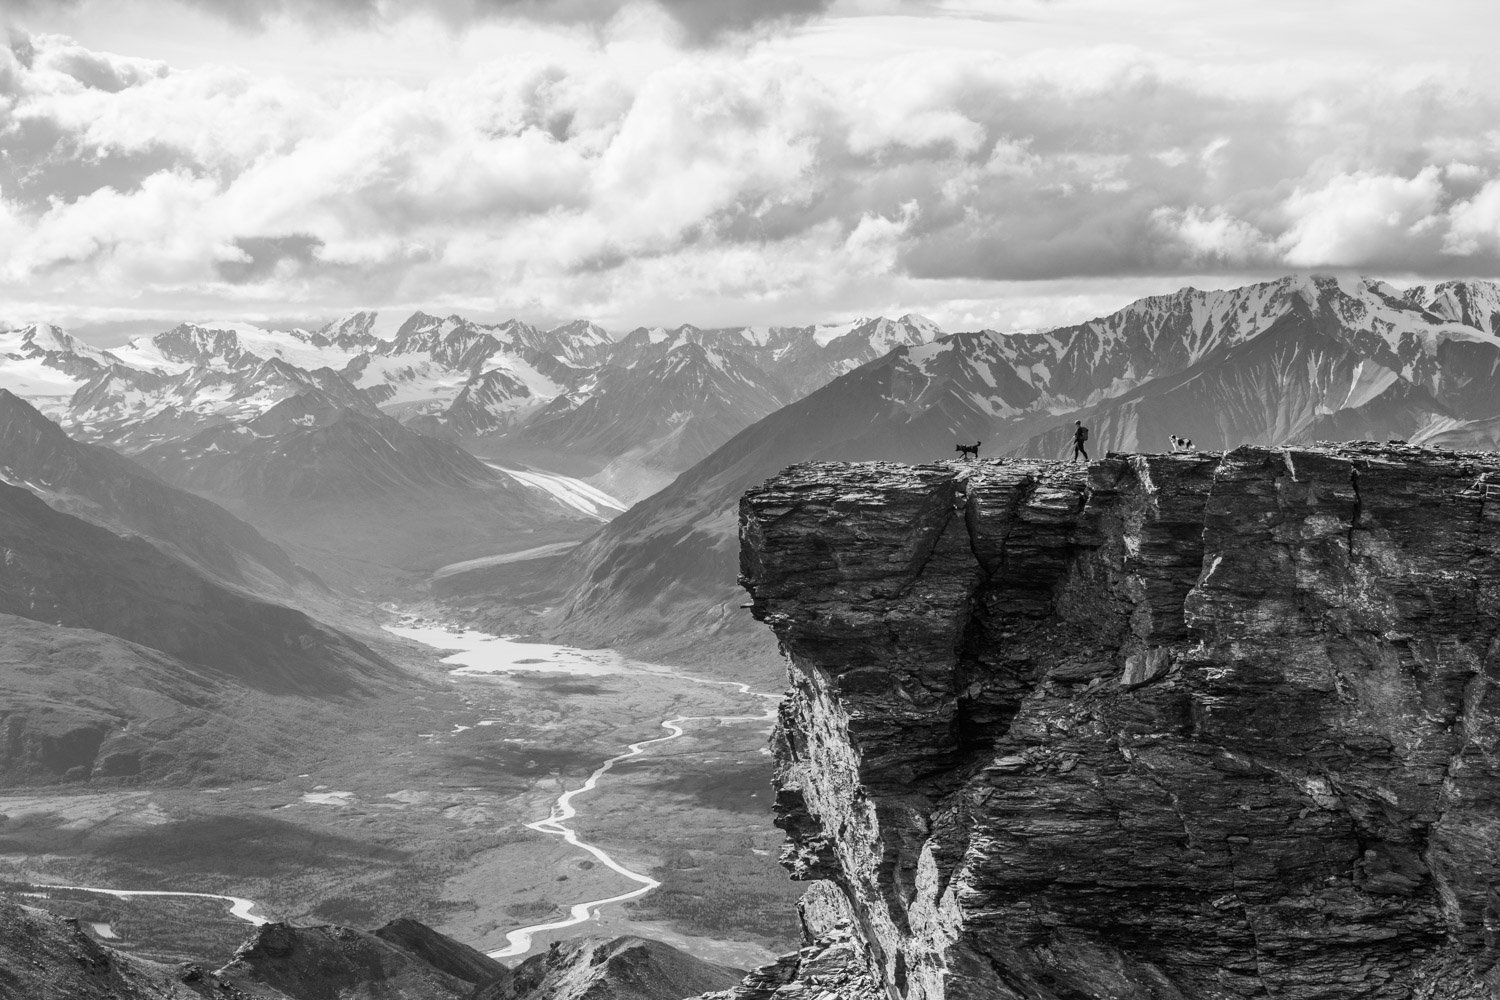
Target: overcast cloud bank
635,177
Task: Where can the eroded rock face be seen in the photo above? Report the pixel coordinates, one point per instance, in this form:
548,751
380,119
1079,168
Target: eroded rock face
1162,727
622,968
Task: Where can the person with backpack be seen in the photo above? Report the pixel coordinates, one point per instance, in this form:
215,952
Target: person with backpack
1080,435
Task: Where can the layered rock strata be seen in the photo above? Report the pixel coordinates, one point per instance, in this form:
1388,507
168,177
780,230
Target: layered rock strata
1173,727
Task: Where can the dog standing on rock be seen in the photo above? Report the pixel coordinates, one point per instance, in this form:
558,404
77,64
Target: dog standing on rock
972,450
1181,444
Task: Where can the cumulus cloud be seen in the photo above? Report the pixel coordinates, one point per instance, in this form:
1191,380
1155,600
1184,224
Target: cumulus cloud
1212,236
1475,228
701,20
261,256
1352,217
618,179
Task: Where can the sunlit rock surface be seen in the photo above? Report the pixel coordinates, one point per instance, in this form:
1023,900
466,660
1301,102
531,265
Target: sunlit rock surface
1164,727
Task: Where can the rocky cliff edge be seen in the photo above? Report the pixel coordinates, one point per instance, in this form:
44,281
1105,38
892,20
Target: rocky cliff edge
1177,727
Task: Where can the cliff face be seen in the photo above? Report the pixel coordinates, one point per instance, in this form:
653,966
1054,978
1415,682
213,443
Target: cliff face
1162,727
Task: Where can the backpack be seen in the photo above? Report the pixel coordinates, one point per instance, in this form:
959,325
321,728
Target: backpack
1082,435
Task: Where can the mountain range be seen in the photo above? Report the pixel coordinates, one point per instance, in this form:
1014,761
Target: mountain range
415,443
408,444
656,399
1281,362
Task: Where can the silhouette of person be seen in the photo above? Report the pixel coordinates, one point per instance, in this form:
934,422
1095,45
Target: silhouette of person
1080,435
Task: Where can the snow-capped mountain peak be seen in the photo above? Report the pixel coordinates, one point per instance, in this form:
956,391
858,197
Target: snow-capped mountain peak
45,364
447,374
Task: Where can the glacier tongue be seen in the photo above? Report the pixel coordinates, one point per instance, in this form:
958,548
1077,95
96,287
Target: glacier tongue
574,493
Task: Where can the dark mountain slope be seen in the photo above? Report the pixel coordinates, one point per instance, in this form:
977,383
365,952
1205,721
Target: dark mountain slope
96,484
305,449
78,705
442,952
668,413
65,571
339,963
361,495
43,957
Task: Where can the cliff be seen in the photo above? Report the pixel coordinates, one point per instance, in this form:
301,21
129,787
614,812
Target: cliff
1174,727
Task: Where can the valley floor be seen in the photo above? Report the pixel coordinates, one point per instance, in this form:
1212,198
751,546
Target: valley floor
417,805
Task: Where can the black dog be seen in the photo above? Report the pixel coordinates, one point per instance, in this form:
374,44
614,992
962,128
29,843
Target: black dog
972,450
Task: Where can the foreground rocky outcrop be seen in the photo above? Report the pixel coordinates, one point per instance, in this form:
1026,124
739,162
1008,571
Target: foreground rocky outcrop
624,968
404,959
43,957
1162,727
46,957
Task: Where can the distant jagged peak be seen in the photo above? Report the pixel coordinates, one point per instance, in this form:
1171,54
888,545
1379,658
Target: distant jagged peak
689,354
1471,302
1085,364
580,343
355,331
1191,323
457,341
40,339
372,329
886,334
511,326
192,342
418,322
581,329
183,346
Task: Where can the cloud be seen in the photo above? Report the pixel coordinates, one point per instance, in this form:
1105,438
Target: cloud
1475,228
262,256
702,21
617,177
93,70
1354,218
1213,236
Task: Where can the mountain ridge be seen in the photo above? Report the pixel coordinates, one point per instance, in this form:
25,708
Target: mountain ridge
1287,359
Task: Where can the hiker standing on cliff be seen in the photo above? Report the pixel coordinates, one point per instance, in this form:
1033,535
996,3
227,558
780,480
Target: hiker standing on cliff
1080,435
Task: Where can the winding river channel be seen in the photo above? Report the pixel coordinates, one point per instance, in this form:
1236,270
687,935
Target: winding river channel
477,654
239,907
519,941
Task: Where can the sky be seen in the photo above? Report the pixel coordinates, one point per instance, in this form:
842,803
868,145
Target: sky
986,163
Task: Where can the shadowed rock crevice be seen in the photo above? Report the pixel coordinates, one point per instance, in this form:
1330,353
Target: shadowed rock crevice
1163,726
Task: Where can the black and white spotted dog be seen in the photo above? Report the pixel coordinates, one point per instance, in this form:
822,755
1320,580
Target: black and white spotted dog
1181,444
